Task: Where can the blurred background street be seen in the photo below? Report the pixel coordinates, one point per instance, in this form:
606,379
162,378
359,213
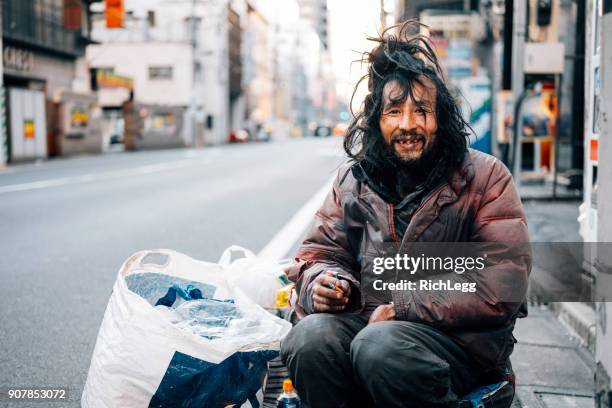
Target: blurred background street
197,124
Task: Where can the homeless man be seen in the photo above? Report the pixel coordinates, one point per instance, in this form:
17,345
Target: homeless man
411,179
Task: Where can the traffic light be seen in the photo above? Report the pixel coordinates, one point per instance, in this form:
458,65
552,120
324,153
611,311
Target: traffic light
114,12
544,12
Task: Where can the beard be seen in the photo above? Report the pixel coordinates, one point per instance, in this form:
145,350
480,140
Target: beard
429,155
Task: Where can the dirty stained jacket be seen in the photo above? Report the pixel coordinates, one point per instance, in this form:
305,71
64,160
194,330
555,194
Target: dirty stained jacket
476,203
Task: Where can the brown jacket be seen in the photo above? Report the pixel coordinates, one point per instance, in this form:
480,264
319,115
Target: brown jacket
477,203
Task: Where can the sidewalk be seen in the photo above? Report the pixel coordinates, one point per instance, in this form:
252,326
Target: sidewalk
553,367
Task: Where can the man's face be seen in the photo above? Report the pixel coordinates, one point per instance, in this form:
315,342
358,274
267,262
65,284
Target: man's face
409,127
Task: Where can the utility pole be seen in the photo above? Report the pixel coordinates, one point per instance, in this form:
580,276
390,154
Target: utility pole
519,30
194,74
3,134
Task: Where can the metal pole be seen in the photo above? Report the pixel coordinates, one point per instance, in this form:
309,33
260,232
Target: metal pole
516,137
558,81
518,45
3,134
192,100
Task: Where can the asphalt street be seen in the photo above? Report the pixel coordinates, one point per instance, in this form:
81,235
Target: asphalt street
67,225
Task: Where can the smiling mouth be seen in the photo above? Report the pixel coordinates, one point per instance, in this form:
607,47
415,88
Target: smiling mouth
409,142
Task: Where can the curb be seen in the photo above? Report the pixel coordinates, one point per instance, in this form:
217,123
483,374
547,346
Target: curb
579,318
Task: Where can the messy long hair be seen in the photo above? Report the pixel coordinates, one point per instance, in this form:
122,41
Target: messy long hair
405,56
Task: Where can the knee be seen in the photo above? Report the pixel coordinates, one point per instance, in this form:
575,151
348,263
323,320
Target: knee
372,346
387,355
310,340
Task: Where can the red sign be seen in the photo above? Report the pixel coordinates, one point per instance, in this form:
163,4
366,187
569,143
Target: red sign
114,13
594,151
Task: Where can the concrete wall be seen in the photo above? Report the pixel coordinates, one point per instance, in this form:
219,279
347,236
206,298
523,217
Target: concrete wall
3,144
134,59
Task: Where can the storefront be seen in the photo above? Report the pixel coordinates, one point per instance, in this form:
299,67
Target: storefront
42,55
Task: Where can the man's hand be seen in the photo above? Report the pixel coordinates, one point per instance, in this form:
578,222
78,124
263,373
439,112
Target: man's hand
330,294
382,313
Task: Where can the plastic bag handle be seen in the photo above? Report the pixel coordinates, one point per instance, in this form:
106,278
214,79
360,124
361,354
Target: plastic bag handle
226,257
136,261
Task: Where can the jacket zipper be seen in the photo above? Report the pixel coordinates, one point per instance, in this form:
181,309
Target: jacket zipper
392,223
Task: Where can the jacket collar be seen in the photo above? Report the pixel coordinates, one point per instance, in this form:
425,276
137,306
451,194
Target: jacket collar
379,181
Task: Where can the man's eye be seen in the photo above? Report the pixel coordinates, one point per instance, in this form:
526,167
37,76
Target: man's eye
422,111
393,112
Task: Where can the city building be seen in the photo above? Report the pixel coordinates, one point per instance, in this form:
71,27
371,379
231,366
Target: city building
258,73
323,84
48,109
186,57
296,73
160,83
316,14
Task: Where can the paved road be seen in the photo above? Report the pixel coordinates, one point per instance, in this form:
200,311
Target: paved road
67,225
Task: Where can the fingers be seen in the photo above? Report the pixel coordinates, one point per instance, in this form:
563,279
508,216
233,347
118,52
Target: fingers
322,304
328,301
328,293
330,280
345,286
328,309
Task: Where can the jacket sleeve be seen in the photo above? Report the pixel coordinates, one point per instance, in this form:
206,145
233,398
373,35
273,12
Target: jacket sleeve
500,226
326,248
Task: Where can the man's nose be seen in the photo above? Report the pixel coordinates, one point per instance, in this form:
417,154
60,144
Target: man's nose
406,121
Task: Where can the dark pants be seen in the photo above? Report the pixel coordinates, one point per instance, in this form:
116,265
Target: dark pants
340,361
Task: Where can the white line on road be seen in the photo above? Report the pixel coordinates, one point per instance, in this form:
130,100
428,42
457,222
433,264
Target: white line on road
284,240
88,178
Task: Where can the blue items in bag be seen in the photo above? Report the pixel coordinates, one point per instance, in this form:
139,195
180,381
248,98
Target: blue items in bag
198,383
190,293
190,380
154,286
197,314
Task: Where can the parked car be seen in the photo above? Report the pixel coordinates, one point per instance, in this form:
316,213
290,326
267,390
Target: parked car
238,136
323,131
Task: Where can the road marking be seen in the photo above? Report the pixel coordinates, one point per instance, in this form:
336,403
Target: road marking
88,178
284,240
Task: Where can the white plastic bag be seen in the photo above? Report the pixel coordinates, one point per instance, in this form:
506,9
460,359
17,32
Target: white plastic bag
259,278
143,356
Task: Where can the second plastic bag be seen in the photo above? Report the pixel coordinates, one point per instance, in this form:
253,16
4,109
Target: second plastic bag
259,278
